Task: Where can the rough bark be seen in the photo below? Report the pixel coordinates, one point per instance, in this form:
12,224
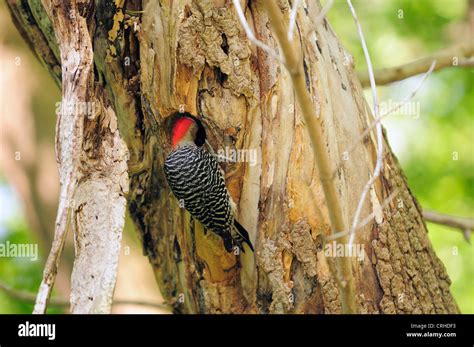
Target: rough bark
91,160
92,163
194,56
30,97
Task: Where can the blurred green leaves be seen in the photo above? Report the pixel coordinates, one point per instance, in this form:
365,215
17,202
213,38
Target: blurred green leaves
436,150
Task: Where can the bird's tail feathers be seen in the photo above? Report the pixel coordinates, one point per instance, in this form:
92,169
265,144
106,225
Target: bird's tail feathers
241,236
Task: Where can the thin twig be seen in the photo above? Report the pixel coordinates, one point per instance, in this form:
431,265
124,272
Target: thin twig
31,297
322,14
457,56
344,276
407,99
52,262
250,35
465,225
383,116
380,149
365,221
294,11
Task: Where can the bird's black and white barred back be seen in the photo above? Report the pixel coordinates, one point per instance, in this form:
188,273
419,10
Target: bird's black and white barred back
197,181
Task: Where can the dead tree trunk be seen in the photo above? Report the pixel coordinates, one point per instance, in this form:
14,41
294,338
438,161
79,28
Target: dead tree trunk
195,56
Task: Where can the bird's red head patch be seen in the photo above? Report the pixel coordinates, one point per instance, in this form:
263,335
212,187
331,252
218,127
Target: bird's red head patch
180,129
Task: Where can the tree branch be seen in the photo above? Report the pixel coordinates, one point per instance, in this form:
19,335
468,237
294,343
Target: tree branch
295,68
31,297
321,15
456,56
378,126
382,116
367,220
93,170
294,12
76,60
465,225
250,35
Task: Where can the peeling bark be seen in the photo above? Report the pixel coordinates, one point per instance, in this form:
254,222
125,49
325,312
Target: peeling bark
92,162
194,56
99,215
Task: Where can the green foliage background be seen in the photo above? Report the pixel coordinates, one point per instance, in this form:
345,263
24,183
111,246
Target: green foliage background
399,32
424,145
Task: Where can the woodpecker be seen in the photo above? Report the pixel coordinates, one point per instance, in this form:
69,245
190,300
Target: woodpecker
197,180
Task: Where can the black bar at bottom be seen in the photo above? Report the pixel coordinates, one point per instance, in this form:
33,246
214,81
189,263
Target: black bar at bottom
157,330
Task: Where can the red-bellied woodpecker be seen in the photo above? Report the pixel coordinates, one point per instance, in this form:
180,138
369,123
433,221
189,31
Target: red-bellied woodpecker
197,181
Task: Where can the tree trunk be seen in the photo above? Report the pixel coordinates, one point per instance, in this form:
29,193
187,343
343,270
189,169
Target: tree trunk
195,56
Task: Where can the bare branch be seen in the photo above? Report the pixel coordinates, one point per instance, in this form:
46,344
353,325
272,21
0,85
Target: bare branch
294,65
321,16
323,13
250,35
456,56
407,99
294,11
69,135
30,298
465,225
365,221
380,149
386,114
93,177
